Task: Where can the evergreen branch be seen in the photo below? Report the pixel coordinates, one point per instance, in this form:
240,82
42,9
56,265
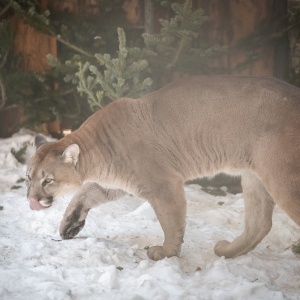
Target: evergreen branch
86,85
122,50
42,23
36,20
6,8
138,88
118,77
173,45
104,82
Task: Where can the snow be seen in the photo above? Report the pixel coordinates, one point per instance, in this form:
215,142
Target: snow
107,259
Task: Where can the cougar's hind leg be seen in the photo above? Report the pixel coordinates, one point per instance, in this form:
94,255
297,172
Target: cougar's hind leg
287,195
259,207
277,162
169,204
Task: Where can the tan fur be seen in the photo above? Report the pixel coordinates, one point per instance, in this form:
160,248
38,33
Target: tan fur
150,146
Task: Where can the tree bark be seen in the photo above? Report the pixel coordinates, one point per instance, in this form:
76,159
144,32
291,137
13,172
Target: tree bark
281,50
149,16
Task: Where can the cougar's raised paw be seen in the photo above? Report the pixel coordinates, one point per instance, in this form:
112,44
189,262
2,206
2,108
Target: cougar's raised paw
73,221
69,231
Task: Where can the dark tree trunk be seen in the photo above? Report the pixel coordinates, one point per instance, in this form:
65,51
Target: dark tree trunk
149,16
281,50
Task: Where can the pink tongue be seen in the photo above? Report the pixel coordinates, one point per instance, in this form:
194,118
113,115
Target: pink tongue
35,204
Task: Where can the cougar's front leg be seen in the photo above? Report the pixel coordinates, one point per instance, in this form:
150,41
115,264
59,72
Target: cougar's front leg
89,196
169,204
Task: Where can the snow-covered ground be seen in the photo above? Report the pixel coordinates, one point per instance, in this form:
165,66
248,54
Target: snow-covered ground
107,260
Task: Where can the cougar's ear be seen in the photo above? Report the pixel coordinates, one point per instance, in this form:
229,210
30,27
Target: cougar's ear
71,154
39,140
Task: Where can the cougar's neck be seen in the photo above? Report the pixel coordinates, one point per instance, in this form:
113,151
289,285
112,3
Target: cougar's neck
91,159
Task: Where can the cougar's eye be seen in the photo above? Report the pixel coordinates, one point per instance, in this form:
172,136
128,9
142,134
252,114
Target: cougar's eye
47,181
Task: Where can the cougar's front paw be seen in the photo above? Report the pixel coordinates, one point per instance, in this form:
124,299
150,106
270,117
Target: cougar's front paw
73,221
159,252
68,230
221,247
156,253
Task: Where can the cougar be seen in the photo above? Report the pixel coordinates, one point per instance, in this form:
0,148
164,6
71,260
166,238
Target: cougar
149,147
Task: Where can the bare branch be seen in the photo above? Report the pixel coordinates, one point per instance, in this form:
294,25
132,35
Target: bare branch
6,8
63,41
4,60
3,94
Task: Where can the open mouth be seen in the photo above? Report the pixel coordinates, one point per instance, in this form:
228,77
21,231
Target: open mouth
38,205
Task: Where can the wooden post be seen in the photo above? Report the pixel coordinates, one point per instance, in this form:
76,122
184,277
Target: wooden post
32,46
281,51
149,16
232,20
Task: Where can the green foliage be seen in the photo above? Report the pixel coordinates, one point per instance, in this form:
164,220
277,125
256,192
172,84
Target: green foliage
51,94
296,248
19,154
124,76
44,96
17,185
101,77
29,11
35,93
6,38
19,87
177,47
30,90
87,58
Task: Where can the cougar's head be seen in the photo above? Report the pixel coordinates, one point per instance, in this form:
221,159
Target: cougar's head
51,172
